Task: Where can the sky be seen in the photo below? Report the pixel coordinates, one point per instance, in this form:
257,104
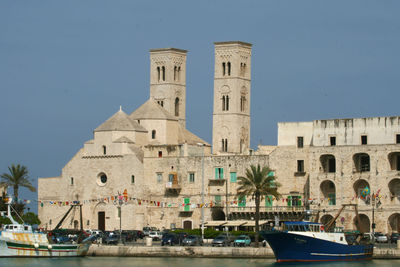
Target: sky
67,66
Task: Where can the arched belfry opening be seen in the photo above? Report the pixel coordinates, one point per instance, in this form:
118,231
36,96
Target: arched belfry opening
177,107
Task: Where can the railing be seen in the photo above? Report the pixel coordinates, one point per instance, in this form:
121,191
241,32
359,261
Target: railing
172,185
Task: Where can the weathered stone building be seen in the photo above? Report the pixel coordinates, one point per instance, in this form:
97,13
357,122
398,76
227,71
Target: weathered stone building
156,169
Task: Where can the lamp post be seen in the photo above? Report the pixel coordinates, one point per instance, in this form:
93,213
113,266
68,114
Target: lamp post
373,214
119,201
202,190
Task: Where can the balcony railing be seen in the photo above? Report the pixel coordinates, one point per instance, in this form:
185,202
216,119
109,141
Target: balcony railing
172,186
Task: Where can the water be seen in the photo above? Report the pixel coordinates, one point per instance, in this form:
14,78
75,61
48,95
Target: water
175,262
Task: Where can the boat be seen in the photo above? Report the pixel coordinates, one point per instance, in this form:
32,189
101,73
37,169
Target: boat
303,241
19,240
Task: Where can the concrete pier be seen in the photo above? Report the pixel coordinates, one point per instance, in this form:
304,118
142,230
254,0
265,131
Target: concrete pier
209,252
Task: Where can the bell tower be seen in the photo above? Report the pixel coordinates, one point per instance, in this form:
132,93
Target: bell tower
231,115
168,80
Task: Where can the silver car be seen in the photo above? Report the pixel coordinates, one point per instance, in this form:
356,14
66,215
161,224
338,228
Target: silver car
192,240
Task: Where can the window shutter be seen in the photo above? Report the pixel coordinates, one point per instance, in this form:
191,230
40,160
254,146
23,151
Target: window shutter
222,173
187,204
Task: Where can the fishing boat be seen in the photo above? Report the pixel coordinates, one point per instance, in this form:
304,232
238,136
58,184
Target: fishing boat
311,241
19,240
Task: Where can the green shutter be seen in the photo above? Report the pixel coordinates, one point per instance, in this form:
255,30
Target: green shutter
222,174
218,200
289,201
242,201
233,177
187,204
332,199
216,173
268,201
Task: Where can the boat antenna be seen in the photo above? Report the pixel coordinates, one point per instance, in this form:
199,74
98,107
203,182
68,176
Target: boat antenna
8,203
17,214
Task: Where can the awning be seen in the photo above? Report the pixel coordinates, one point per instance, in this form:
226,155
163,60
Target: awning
253,223
235,223
215,223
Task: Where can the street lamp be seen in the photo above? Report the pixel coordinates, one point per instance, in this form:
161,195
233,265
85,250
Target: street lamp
119,201
202,190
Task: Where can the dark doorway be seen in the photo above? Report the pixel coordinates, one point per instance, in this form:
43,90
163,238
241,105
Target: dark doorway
187,225
102,220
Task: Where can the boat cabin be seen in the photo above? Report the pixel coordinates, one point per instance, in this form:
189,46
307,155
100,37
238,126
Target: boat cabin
17,228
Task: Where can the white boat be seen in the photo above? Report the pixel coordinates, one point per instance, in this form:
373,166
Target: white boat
19,240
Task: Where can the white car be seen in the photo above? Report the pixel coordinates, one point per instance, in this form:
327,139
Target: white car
155,235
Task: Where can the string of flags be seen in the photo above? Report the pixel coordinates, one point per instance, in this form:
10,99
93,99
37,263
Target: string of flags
125,199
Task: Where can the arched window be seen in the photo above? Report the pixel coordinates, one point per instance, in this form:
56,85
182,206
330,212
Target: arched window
242,103
158,72
153,134
72,180
179,73
177,106
104,150
229,69
163,73
223,68
223,103
227,103
224,145
174,73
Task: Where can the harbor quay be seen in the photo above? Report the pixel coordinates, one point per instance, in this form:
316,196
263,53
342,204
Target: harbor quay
206,251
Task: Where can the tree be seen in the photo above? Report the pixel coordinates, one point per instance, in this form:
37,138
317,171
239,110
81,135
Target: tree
258,183
17,177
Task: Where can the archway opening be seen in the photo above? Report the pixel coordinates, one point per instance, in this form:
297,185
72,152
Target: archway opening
328,163
326,219
329,191
394,223
364,225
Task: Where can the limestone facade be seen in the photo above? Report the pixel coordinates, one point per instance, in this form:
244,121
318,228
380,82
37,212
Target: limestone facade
159,169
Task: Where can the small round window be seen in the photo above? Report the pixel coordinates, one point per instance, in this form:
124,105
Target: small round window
102,179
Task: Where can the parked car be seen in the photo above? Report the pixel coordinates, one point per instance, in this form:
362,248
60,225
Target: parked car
380,238
170,239
192,240
139,234
148,229
155,235
112,239
242,241
128,235
221,241
394,237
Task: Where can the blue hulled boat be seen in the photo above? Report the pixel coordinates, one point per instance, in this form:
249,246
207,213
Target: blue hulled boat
308,241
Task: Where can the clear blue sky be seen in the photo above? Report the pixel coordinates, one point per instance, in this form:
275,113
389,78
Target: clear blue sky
67,66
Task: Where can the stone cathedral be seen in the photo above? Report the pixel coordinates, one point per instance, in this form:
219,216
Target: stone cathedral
146,169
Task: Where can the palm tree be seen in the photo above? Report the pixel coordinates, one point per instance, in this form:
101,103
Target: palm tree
258,183
17,177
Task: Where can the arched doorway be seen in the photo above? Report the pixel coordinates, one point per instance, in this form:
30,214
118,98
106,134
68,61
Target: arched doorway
328,190
328,163
326,219
361,162
217,214
394,160
394,188
76,224
364,225
359,186
394,223
187,225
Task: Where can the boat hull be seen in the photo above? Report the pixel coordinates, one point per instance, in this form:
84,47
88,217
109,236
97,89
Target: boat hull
37,245
293,247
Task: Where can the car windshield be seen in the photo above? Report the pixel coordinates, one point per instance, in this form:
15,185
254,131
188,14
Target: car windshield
191,237
241,237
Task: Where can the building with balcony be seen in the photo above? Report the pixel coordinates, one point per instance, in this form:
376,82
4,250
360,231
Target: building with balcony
162,170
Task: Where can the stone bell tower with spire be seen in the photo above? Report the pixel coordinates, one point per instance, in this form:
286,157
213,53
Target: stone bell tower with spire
231,115
168,80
